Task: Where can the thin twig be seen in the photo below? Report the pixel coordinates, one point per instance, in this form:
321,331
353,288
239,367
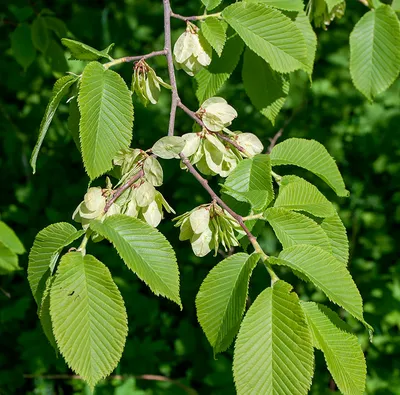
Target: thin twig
274,139
196,17
119,191
150,377
127,59
191,114
168,49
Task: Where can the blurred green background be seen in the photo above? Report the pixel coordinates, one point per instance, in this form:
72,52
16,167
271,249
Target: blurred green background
363,138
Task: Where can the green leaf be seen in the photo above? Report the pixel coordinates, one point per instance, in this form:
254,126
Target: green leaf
81,51
293,228
106,122
303,23
44,254
211,79
343,354
56,25
331,4
21,13
211,4
273,351
40,34
336,232
8,260
10,239
270,34
56,57
375,51
297,194
214,31
288,5
221,300
88,316
266,88
21,45
312,156
60,89
326,273
145,251
74,119
251,182
396,5
168,147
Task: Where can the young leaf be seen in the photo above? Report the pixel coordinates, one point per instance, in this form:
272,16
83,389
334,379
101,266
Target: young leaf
273,350
214,31
88,316
251,182
221,300
326,273
60,89
45,252
332,3
266,88
297,194
336,232
22,47
106,122
81,51
288,5
211,4
211,79
303,23
145,251
292,228
270,34
375,51
10,239
8,260
56,57
312,156
343,354
40,34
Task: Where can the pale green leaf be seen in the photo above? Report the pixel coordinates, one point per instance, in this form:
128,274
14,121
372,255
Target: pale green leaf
326,273
266,88
60,89
270,34
145,251
106,121
214,31
273,351
221,300
88,316
298,194
8,260
211,79
10,239
288,5
303,23
343,353
40,34
336,233
375,51
211,4
331,4
396,5
293,228
312,156
251,182
45,252
21,45
81,51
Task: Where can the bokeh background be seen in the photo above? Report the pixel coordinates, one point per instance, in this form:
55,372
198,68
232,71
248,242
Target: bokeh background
363,138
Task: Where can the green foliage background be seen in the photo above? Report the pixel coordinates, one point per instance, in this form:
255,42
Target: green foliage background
363,137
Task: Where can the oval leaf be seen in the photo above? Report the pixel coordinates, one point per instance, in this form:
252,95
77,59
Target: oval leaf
375,51
81,51
106,117
45,252
273,350
88,316
312,156
221,300
145,251
169,147
10,239
270,34
343,353
8,260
